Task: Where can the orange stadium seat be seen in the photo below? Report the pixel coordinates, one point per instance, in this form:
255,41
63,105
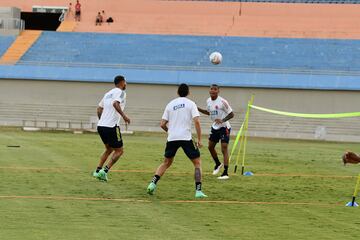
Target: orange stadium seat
295,20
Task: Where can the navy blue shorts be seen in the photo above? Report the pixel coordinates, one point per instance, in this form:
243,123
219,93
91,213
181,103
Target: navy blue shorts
111,136
189,148
221,134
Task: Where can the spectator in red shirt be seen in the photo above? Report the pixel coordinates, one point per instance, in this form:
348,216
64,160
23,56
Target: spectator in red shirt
77,11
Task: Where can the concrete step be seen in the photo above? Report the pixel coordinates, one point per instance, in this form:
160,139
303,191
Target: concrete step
20,46
66,26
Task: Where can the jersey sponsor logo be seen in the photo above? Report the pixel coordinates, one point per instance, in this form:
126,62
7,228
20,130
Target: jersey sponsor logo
182,105
213,113
108,96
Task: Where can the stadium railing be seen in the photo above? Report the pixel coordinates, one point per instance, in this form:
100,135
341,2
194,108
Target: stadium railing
195,68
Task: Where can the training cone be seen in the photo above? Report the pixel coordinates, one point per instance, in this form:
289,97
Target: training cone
350,204
248,174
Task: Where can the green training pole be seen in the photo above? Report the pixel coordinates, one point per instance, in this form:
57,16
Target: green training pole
246,132
356,190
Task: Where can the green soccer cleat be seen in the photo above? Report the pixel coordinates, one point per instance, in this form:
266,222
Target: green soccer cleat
95,174
102,175
151,188
200,194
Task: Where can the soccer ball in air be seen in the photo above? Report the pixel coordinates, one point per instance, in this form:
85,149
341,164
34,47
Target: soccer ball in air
215,58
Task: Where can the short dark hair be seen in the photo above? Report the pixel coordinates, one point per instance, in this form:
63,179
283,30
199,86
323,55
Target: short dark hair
214,85
118,79
183,90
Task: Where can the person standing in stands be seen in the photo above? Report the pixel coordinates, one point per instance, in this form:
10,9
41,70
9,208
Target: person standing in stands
77,11
103,15
70,11
99,19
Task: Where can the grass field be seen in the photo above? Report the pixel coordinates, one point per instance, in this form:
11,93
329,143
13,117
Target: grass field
46,192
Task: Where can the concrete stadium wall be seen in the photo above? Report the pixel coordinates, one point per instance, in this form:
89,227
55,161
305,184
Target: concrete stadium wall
148,95
26,99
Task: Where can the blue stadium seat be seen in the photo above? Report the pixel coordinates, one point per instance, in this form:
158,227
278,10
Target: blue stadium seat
5,42
193,51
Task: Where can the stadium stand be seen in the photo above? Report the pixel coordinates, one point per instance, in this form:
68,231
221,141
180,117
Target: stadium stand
168,59
216,18
193,51
229,19
5,43
66,26
19,47
284,1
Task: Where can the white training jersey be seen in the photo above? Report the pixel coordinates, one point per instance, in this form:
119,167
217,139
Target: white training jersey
180,113
218,109
110,117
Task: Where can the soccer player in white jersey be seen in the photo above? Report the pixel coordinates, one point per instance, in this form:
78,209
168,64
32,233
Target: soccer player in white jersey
176,121
220,113
110,109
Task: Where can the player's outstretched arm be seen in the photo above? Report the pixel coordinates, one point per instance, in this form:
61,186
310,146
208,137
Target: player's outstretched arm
163,125
198,131
203,111
116,105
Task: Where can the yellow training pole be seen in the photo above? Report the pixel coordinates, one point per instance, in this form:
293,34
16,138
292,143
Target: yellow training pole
244,141
238,136
241,142
239,150
356,190
246,132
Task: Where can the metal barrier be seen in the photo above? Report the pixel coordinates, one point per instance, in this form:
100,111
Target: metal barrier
8,24
55,124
